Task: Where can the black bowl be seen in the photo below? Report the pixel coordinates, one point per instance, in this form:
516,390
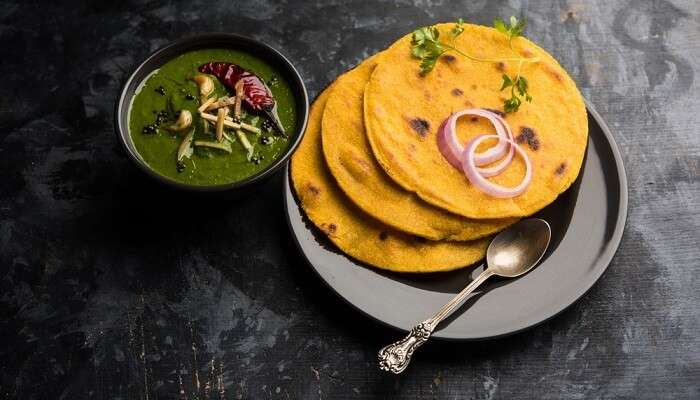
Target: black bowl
209,41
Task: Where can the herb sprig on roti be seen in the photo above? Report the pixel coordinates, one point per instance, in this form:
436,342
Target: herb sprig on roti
427,47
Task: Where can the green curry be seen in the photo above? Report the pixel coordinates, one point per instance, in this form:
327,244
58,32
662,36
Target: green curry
163,96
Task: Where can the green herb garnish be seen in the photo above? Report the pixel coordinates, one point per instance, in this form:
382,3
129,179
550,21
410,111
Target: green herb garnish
513,30
518,89
518,84
427,47
459,28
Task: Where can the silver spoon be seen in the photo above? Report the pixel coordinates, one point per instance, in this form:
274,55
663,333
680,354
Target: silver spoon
511,253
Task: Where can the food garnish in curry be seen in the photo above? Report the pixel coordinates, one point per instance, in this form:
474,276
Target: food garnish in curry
212,116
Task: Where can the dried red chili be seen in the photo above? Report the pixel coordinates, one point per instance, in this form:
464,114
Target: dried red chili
257,96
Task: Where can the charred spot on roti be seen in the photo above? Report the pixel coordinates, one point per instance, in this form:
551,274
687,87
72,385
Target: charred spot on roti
473,87
448,58
427,95
561,168
329,229
500,66
527,53
312,189
310,195
383,235
468,103
420,125
527,135
457,92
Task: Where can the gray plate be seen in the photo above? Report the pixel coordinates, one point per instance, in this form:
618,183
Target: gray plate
587,224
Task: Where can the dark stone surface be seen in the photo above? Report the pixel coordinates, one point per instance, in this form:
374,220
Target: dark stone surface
106,294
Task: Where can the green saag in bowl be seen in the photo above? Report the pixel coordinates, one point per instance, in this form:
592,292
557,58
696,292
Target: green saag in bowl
212,112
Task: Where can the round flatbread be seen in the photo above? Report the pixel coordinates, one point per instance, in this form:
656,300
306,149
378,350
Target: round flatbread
403,110
350,160
354,232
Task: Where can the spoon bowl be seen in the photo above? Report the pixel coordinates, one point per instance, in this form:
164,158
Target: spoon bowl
519,248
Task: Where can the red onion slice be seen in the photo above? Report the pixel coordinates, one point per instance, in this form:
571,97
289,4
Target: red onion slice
498,168
448,146
494,153
452,150
478,180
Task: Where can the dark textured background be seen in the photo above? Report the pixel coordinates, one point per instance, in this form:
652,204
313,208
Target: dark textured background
108,290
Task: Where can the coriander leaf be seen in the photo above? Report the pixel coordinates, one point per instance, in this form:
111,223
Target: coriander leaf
500,26
518,91
511,105
513,29
431,53
513,21
434,34
506,82
426,47
425,34
418,37
418,51
458,28
427,63
521,84
518,28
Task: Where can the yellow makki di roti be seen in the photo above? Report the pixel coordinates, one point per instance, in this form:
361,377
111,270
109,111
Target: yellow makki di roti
356,233
403,110
350,160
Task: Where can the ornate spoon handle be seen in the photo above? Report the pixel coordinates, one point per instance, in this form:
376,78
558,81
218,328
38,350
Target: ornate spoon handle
396,356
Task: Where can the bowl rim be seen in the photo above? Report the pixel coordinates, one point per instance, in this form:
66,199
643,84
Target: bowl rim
297,83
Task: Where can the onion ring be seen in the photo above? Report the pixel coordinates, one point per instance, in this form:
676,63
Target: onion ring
452,153
477,179
452,150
